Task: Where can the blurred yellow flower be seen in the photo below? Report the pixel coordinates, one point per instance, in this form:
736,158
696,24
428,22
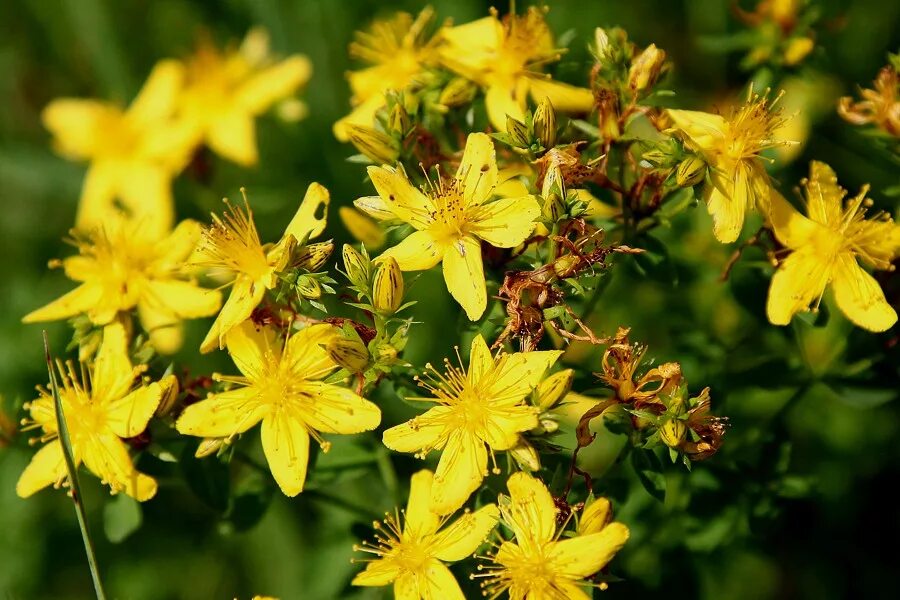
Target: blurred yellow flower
122,266
731,147
504,57
538,564
824,247
281,386
101,408
133,154
400,49
478,411
225,92
451,218
231,245
412,551
362,228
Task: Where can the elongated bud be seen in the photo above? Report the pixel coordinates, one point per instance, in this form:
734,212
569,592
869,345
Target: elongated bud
554,183
672,432
363,228
308,287
348,353
690,171
798,49
595,517
312,256
458,92
518,132
601,43
170,389
525,455
545,124
356,267
608,108
398,121
373,144
553,388
385,354
645,68
209,446
387,286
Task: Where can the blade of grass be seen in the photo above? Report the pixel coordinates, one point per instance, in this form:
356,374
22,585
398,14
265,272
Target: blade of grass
74,488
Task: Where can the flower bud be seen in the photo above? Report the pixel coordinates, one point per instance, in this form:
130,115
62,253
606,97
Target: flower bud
387,286
458,92
601,43
385,354
355,266
398,121
672,432
645,68
170,389
608,108
312,256
373,144
554,388
525,455
797,49
209,446
518,132
595,517
308,287
545,123
349,353
690,171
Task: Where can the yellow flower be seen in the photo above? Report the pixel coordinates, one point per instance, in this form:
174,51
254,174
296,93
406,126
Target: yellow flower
100,410
503,57
824,248
133,153
121,266
399,50
731,147
478,411
412,551
538,564
281,386
451,217
225,92
231,244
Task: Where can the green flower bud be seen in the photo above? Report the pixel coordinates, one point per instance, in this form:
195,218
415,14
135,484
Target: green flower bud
351,354
356,266
690,171
312,256
672,432
373,144
308,287
526,456
554,388
209,446
518,132
458,92
387,286
385,354
545,123
645,69
398,121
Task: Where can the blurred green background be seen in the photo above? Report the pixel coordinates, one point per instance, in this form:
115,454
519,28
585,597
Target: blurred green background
797,505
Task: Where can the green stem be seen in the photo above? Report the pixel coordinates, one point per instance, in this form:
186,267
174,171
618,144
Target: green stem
388,474
334,500
74,488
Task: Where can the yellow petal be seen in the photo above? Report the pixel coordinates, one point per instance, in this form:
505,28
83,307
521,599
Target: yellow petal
178,245
112,375
461,538
860,297
472,46
78,301
800,279
312,216
401,198
823,195
507,222
584,555
364,115
105,455
790,227
157,99
377,573
564,97
78,126
128,416
362,228
727,203
305,354
145,192
47,467
252,348
222,415
406,587
480,359
417,252
704,131
500,103
515,375
421,432
478,169
286,446
334,409
503,428
420,520
232,135
183,299
245,296
274,83
460,471
595,517
98,194
439,583
464,275
375,207
165,329
531,511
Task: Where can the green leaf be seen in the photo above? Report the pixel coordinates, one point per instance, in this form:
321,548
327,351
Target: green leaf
208,478
121,517
649,471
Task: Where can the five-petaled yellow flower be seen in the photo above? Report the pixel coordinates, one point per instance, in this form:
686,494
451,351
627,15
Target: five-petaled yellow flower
539,565
100,410
231,245
281,386
133,154
451,217
504,57
122,266
731,147
400,50
412,551
824,249
478,411
225,92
